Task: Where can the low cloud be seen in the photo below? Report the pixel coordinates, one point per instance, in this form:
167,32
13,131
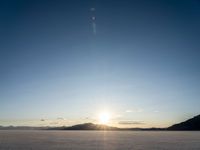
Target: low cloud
60,118
129,111
130,122
137,110
54,123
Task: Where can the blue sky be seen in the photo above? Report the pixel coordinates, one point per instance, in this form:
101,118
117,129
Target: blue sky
141,65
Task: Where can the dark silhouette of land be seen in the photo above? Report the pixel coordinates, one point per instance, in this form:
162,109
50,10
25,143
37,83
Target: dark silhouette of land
191,124
87,126
22,128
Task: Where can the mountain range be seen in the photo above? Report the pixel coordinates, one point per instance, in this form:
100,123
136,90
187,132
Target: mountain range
190,124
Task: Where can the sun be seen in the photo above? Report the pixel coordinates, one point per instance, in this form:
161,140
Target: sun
104,118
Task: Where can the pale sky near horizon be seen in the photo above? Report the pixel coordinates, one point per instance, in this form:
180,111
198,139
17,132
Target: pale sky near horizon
138,60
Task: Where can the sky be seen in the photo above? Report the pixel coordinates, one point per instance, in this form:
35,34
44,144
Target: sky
64,62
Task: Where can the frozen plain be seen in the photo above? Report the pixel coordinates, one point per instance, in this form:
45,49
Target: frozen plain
99,140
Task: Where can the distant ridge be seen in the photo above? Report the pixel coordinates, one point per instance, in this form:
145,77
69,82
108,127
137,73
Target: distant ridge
190,124
90,126
22,128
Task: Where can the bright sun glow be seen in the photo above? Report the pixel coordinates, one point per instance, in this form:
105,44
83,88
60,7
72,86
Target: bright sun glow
104,118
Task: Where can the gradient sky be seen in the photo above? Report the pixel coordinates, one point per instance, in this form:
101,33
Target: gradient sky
142,65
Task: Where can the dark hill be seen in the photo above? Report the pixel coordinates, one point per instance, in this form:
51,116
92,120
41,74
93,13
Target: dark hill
191,124
90,126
